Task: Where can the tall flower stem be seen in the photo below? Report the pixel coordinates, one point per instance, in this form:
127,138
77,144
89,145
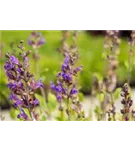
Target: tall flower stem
112,42
38,74
65,86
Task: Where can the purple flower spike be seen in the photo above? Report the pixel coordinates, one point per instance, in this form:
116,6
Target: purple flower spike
21,84
36,40
64,89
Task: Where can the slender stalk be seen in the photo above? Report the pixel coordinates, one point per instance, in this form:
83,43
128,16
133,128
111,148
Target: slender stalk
113,107
68,109
38,74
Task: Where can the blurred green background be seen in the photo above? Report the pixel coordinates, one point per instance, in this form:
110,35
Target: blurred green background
90,47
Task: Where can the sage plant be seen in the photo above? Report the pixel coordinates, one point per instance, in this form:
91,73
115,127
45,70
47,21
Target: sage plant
36,40
127,113
110,81
108,84
22,84
65,87
127,103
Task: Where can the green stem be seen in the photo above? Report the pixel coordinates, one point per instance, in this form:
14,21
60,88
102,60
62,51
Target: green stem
68,109
112,103
38,75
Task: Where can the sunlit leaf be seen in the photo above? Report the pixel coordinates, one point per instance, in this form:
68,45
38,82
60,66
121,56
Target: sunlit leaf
126,64
116,94
81,96
98,76
100,96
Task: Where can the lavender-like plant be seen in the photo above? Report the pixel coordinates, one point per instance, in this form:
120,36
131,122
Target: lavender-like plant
108,83
22,84
110,80
127,103
65,87
36,40
127,113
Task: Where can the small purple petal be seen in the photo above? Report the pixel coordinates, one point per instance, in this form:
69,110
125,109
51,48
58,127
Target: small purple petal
39,84
19,115
67,77
12,86
78,69
41,41
53,86
36,102
9,66
10,75
26,60
74,91
14,60
58,88
20,70
59,97
67,59
22,115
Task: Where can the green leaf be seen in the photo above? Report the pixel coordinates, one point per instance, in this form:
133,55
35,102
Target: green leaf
100,96
98,110
98,76
41,100
103,55
43,118
81,96
14,113
52,101
126,64
61,116
116,94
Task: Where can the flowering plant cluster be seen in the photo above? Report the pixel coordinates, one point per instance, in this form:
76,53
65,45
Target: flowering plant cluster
65,87
22,85
34,102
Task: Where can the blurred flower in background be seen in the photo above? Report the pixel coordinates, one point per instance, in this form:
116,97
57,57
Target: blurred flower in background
36,40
